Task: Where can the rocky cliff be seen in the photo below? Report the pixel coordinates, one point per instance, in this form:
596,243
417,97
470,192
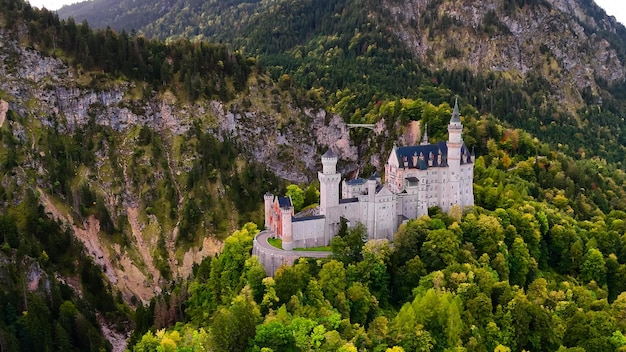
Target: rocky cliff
39,93
570,44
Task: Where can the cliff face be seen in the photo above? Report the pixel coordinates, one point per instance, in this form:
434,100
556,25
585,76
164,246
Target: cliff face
562,41
571,44
41,93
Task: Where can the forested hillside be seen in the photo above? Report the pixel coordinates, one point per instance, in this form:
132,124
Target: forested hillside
531,63
128,164
108,193
538,264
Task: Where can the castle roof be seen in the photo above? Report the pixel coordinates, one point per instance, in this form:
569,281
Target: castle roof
456,115
329,154
306,218
382,190
284,202
427,153
348,200
419,150
356,181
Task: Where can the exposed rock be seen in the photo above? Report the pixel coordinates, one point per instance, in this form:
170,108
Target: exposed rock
43,90
557,45
4,107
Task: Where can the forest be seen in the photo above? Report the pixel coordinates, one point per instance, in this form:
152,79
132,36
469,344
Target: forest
538,264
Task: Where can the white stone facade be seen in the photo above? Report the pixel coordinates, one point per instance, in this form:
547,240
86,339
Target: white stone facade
416,178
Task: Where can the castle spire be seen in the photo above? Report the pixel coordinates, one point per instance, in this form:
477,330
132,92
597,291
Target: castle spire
455,127
425,135
456,115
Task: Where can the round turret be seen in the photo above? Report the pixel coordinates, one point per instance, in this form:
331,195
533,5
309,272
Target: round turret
268,198
287,230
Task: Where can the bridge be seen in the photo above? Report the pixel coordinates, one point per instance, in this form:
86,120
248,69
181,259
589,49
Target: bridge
371,126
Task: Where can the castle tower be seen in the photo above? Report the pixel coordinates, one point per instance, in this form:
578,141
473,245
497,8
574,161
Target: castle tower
371,206
287,229
329,194
455,143
329,182
268,197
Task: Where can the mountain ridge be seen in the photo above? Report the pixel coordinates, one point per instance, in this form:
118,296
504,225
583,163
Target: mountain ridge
534,63
161,149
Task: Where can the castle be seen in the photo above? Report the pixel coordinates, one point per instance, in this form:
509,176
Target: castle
416,178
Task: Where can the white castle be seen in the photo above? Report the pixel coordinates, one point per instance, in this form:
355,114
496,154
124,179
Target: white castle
416,178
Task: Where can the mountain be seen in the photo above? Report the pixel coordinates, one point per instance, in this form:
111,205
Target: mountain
165,19
130,168
149,152
552,67
124,163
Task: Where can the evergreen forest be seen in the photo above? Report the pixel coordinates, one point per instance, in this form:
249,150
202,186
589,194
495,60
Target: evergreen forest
539,264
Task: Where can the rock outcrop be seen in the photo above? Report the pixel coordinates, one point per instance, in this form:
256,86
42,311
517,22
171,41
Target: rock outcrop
559,41
43,91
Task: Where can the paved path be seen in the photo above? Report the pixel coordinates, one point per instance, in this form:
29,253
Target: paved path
272,258
262,237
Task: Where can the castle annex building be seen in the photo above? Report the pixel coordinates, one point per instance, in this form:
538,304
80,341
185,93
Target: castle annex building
416,178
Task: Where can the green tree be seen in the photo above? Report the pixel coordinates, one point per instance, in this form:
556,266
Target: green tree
233,327
332,279
276,336
594,267
519,262
440,249
255,273
297,197
348,248
311,196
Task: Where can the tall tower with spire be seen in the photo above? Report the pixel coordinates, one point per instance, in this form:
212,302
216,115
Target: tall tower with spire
454,144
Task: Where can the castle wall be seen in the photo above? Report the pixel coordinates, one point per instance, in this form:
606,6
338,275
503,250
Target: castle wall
467,185
407,204
352,190
273,258
386,214
309,233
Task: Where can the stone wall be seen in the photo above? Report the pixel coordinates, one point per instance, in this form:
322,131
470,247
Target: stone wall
273,258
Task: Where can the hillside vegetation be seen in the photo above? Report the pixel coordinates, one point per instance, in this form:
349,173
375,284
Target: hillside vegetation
127,162
538,264
534,64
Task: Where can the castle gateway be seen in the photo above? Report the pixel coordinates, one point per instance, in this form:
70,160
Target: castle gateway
416,178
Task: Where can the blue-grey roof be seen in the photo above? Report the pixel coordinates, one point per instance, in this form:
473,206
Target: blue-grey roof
412,179
374,176
427,150
456,116
284,202
306,218
356,181
329,154
466,155
348,200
